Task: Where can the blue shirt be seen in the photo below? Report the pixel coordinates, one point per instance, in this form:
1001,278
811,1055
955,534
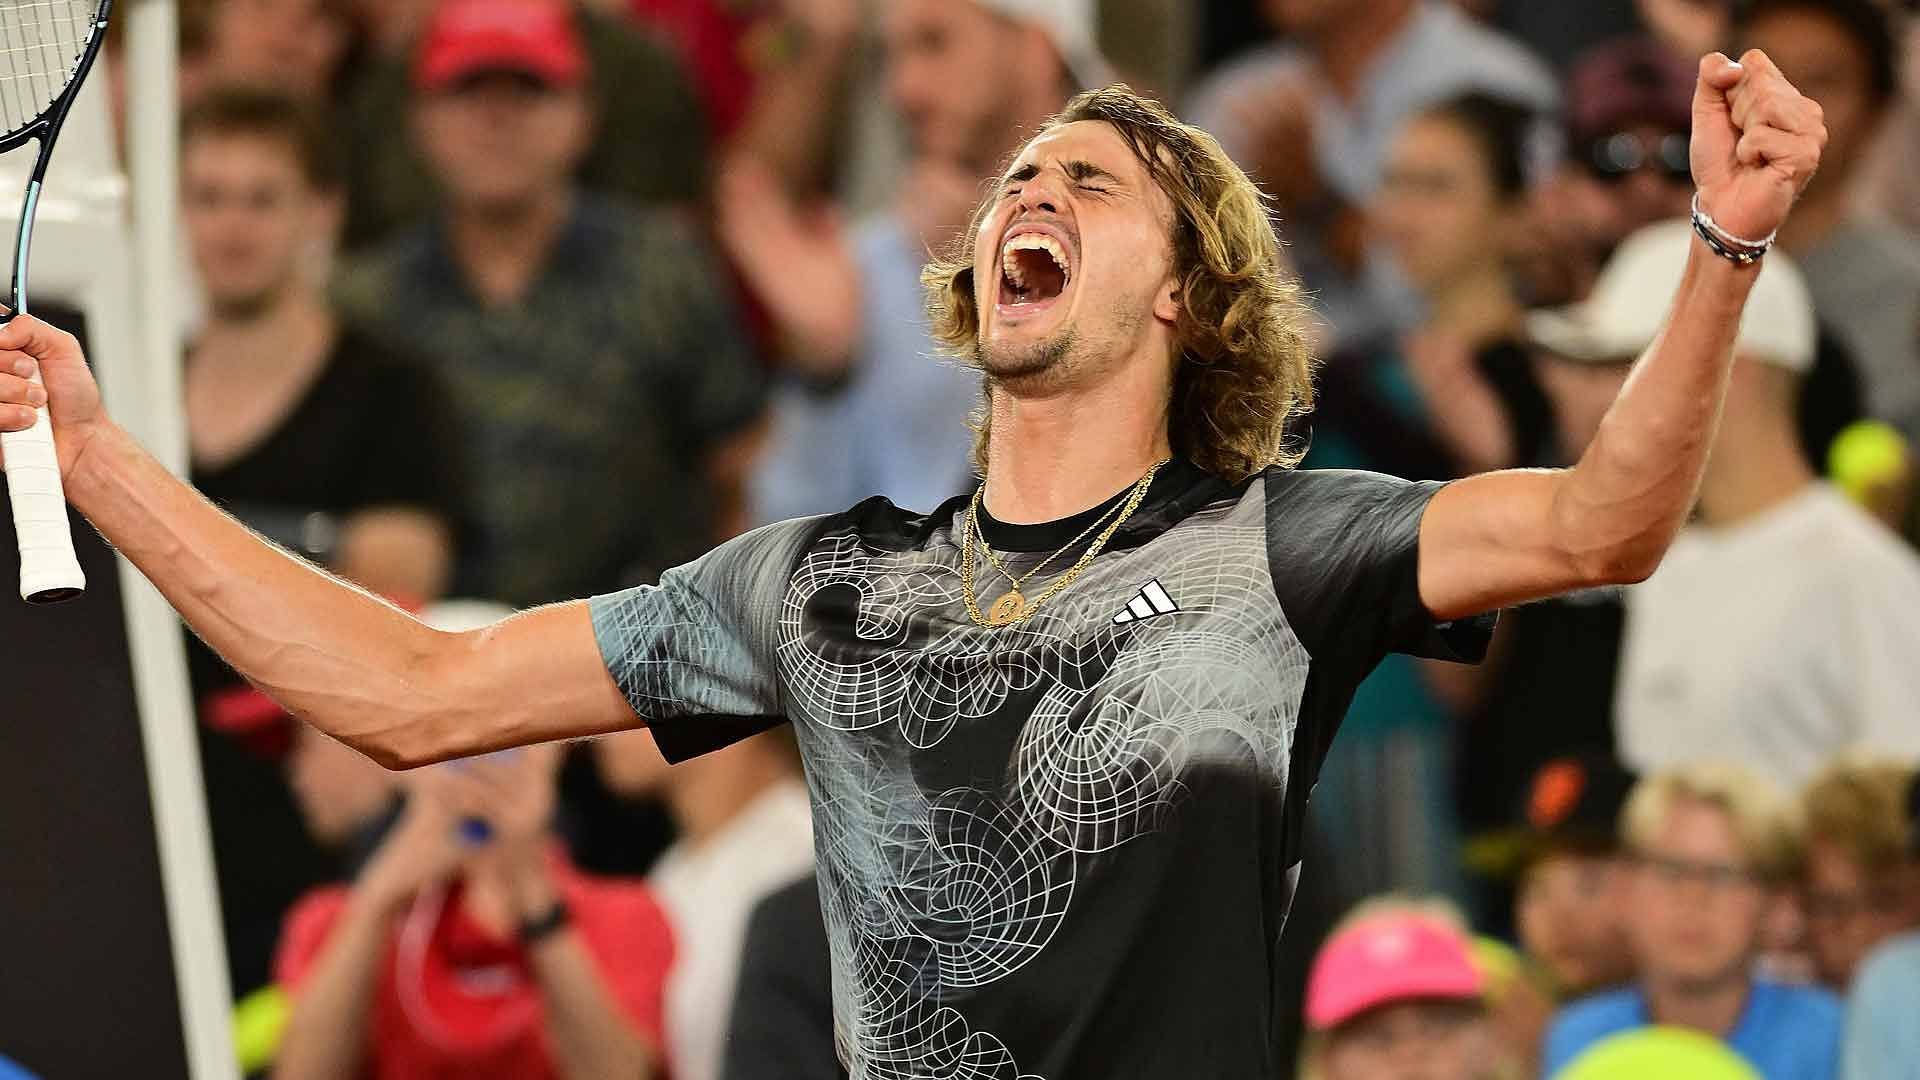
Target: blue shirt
897,427
1883,1041
10,1071
1786,1032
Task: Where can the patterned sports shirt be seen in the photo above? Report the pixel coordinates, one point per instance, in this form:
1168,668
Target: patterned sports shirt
1065,849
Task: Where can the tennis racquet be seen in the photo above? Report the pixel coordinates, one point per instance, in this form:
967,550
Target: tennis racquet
46,47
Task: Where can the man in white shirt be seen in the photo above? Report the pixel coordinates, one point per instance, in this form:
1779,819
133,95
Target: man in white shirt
1784,624
745,830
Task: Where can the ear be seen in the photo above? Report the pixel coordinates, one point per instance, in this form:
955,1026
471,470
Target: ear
1167,303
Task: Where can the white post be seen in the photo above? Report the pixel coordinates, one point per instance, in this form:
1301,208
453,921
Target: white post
148,403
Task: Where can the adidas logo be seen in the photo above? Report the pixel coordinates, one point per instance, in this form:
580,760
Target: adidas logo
1151,600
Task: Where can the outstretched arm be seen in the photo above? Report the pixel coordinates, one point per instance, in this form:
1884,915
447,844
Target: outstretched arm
352,665
1508,537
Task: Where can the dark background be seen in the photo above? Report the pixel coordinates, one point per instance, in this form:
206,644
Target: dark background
86,978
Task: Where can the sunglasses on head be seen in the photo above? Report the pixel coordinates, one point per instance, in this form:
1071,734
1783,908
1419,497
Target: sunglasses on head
1617,156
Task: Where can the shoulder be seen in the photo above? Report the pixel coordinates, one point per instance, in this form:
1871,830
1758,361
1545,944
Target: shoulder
877,522
365,282
1589,1020
1305,498
626,905
1891,972
1859,546
1808,1004
305,931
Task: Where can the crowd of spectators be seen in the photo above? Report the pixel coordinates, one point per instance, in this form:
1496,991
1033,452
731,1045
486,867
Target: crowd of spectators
526,300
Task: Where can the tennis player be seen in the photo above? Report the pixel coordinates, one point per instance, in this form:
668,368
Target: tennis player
1059,733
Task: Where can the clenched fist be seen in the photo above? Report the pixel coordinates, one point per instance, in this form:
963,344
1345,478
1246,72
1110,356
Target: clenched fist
68,391
1756,143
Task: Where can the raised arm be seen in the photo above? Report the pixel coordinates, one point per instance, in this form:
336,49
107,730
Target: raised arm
352,665
1508,537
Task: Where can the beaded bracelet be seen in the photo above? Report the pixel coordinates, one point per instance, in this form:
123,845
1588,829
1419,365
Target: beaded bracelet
1739,251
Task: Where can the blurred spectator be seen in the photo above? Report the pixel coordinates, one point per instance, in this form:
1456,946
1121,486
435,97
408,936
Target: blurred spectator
1687,28
332,445
468,946
1890,177
1629,115
646,134
592,352
1151,44
782,1016
772,75
1559,33
869,407
1395,995
1454,395
1712,846
745,830
1571,909
1860,884
296,47
1781,677
1882,1041
1312,121
1864,273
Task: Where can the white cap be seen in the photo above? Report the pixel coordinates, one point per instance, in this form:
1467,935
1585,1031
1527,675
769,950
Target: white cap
1630,302
1074,27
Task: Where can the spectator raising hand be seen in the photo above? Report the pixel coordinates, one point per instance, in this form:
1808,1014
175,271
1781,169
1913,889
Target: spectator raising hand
797,261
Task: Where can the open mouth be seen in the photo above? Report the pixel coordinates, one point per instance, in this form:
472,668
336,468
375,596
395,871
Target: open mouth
1034,269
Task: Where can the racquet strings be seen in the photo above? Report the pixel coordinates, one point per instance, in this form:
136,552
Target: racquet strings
41,42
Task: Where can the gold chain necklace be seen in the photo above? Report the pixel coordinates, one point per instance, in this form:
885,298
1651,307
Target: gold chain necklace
987,549
1013,607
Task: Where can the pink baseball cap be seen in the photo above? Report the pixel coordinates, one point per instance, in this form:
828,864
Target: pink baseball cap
1386,958
537,37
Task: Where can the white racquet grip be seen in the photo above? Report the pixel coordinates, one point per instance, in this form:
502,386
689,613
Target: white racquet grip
49,569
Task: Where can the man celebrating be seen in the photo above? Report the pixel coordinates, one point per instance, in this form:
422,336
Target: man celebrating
1059,740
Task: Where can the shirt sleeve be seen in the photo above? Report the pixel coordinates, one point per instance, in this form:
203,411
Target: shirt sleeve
1345,554
1880,1040
695,654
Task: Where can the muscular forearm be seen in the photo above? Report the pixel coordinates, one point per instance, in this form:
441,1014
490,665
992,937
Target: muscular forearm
352,665
326,1038
1615,512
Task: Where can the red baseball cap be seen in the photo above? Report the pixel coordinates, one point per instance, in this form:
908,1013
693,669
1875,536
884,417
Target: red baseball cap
536,37
1385,958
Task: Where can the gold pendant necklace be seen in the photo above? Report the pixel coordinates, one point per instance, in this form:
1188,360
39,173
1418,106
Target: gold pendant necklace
1014,607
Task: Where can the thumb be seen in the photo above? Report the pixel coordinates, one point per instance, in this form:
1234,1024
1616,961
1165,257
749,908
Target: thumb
1718,76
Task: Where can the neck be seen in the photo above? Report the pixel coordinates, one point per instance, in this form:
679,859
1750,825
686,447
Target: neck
293,328
1714,1009
708,799
1478,307
501,248
1053,456
1346,47
1760,468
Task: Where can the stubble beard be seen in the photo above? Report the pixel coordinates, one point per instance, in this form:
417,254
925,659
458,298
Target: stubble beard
1025,366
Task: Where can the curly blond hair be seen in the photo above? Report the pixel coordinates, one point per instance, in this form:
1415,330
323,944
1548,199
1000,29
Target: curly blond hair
1245,369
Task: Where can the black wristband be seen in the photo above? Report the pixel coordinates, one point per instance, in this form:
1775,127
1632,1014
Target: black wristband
541,927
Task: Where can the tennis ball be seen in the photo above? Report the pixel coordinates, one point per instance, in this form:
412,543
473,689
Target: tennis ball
1868,455
1658,1053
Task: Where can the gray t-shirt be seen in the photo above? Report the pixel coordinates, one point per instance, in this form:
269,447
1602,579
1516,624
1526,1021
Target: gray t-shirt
1865,282
1065,849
